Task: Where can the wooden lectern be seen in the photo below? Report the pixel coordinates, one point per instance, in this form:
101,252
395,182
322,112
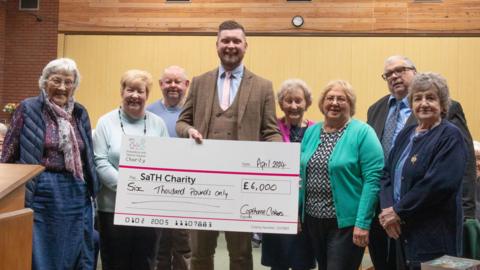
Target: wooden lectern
15,220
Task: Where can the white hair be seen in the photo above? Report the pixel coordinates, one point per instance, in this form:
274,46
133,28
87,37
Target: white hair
3,129
60,64
476,145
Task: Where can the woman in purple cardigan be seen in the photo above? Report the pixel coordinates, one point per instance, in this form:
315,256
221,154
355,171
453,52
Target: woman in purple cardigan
283,251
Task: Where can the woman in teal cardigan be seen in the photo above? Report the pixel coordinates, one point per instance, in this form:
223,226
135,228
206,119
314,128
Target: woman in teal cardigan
341,164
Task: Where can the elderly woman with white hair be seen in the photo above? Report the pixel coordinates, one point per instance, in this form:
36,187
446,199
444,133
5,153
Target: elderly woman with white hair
283,251
54,131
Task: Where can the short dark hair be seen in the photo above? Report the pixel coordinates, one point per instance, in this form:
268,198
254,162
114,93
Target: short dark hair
230,25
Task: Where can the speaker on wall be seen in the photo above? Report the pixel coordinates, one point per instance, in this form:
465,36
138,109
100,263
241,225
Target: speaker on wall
29,4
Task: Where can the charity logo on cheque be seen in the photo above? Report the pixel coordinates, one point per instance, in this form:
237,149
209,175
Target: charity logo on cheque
136,150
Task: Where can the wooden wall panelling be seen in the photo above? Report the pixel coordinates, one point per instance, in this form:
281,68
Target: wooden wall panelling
90,54
368,56
273,16
102,60
16,239
438,55
15,220
60,45
468,82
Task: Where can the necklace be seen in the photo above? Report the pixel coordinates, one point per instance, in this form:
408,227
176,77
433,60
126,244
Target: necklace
144,122
296,133
329,128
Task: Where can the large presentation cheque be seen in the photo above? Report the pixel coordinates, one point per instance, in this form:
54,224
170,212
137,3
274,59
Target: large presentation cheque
216,185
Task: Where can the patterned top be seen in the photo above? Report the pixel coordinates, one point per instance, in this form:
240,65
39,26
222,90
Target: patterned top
319,198
53,158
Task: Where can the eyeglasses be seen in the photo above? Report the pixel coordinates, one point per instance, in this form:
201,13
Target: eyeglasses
397,71
339,99
57,82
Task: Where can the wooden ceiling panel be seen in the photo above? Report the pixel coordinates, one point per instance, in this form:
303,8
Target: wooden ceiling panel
393,17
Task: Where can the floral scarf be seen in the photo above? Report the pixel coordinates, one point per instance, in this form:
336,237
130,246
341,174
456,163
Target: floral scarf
67,140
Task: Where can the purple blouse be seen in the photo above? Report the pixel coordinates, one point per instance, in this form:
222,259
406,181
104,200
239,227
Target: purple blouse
285,130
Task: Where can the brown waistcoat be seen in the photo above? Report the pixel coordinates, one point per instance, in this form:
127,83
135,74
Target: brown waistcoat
223,124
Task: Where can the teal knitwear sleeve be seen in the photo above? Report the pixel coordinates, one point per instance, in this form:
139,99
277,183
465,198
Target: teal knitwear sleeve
371,164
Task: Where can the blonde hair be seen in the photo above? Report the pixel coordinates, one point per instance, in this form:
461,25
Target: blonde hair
135,74
347,89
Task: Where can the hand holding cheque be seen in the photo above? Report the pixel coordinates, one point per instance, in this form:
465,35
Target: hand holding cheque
177,183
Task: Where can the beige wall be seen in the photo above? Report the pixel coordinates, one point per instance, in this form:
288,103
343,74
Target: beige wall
103,58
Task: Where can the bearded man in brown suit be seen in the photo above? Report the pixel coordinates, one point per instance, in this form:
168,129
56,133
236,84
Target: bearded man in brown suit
228,103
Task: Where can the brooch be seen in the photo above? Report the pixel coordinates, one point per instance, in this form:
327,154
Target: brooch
413,159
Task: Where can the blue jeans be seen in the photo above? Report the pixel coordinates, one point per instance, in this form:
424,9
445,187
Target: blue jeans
63,223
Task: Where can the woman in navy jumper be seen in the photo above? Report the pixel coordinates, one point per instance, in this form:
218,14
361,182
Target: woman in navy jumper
421,186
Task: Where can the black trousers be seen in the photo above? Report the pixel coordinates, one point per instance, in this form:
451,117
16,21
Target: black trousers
395,257
333,247
174,252
126,247
381,252
399,256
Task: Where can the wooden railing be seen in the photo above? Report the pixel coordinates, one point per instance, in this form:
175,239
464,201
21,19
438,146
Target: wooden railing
15,220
